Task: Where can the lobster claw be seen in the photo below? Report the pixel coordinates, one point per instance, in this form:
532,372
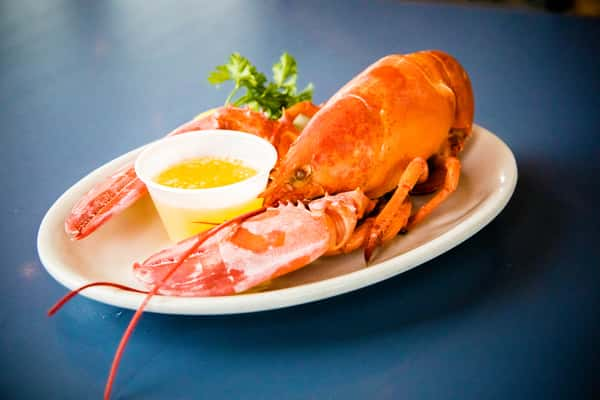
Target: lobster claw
255,250
240,256
123,188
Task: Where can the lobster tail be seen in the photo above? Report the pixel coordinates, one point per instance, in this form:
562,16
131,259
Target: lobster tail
459,82
437,63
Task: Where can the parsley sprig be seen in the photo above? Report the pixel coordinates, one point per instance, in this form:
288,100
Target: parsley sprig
261,95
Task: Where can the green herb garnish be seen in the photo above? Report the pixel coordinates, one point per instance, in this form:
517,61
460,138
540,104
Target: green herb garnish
260,95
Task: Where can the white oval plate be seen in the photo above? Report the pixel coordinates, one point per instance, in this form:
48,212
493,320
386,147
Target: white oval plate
489,176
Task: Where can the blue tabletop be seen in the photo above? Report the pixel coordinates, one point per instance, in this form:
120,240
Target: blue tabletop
512,312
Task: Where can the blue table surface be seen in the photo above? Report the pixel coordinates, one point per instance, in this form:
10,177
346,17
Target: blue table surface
512,313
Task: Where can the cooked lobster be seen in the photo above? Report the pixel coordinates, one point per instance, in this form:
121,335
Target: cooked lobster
343,182
380,133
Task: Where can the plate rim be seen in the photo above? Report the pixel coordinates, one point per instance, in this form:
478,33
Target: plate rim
286,297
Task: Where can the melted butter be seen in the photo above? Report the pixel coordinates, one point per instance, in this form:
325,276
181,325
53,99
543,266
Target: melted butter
201,173
204,173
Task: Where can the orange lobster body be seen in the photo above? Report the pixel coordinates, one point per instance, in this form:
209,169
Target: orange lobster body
400,108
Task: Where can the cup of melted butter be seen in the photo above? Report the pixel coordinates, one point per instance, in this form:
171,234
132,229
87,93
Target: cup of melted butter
200,179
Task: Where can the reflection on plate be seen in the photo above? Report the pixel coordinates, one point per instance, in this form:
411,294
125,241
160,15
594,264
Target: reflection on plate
489,176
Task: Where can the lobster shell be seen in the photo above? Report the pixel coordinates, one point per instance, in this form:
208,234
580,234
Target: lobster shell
399,108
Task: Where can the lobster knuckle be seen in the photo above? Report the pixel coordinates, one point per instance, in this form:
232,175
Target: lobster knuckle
341,213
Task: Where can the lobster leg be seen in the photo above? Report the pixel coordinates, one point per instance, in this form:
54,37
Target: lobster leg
383,225
452,167
435,180
399,222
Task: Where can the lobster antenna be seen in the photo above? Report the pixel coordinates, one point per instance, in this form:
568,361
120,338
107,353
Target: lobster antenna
65,299
201,238
136,317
